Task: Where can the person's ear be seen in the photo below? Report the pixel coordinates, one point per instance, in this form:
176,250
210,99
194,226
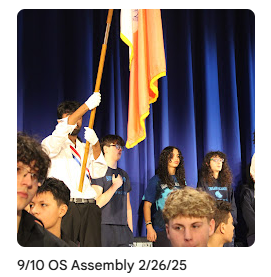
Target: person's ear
167,230
105,149
222,228
211,227
63,210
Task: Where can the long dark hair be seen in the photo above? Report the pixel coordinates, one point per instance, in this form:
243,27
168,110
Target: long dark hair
162,170
225,175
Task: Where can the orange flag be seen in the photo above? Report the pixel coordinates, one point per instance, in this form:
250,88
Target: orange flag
141,30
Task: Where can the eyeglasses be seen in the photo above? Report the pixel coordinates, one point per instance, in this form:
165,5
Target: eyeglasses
22,172
117,146
216,160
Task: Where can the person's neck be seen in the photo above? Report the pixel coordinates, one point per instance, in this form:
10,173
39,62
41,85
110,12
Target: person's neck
19,216
111,163
171,170
216,174
56,229
215,241
73,139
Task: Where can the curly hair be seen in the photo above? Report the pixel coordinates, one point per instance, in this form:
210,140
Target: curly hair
162,170
30,150
225,175
189,202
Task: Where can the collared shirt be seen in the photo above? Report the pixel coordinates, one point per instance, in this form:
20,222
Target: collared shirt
65,162
32,234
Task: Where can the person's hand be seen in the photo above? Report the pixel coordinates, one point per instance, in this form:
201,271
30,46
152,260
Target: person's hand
117,181
151,234
90,136
94,100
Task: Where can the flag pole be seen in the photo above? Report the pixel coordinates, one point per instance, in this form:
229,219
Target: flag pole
97,88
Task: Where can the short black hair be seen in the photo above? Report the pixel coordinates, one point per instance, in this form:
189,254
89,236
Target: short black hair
68,107
30,150
58,188
106,140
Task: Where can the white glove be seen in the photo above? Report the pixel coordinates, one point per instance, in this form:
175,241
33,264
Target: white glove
90,136
94,100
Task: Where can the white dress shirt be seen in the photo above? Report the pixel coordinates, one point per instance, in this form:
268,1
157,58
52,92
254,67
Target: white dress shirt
65,167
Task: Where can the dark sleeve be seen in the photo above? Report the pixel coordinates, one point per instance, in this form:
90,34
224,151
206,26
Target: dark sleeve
128,184
98,182
150,191
248,210
233,206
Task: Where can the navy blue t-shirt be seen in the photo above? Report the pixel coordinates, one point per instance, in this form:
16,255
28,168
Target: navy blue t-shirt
220,192
157,193
115,211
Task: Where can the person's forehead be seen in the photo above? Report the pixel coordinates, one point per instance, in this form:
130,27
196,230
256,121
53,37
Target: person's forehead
30,166
45,196
230,220
185,220
175,151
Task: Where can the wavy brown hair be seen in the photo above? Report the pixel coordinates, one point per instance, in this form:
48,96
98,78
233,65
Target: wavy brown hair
225,175
162,170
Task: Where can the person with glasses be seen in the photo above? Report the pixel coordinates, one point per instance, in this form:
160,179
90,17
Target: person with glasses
114,196
216,179
82,223
32,168
170,176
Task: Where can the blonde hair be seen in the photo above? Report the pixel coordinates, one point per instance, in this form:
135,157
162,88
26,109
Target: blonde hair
189,202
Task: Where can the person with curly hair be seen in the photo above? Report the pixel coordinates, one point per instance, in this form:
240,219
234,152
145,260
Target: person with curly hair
32,167
216,179
189,217
170,176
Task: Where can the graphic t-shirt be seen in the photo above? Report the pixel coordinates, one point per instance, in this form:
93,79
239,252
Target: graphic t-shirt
115,211
220,192
157,193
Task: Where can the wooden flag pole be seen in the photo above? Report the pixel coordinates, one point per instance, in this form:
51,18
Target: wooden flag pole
97,88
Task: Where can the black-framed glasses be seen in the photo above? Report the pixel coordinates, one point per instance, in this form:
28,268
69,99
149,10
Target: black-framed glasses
117,146
23,171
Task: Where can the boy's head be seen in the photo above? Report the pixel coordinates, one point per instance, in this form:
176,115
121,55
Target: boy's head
188,214
51,203
32,168
223,221
67,108
112,146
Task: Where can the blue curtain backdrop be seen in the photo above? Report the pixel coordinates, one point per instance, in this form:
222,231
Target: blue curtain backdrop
206,101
